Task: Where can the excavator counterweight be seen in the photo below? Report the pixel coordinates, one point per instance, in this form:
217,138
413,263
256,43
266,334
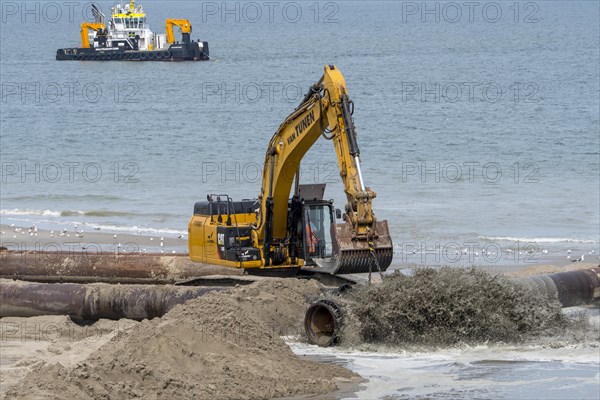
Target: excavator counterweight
281,230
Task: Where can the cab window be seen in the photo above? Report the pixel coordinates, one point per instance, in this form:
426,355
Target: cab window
317,230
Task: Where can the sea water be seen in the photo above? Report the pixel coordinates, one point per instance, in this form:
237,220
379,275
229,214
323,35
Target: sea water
478,125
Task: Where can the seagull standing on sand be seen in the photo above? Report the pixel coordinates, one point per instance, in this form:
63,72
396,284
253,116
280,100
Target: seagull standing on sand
578,259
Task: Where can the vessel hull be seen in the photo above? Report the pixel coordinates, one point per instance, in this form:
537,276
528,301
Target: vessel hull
191,51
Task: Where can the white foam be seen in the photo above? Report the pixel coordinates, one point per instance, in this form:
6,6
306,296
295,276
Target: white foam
135,229
52,223
536,240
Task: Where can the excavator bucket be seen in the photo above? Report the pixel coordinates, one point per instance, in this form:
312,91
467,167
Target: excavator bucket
355,254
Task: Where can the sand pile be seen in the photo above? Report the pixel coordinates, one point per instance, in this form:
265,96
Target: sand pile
30,343
220,346
449,306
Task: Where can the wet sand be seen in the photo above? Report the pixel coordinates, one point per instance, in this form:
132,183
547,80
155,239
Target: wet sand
101,242
26,239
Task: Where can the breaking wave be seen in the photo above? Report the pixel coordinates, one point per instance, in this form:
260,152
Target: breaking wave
17,211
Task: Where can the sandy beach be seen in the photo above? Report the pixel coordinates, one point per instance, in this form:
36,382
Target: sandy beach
236,341
232,340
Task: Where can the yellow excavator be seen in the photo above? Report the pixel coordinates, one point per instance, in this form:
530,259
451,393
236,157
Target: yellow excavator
95,26
183,24
276,232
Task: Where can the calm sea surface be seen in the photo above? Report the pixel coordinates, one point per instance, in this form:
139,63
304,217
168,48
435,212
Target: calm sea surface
477,130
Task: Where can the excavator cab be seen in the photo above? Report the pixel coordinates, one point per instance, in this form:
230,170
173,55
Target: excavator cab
318,224
314,221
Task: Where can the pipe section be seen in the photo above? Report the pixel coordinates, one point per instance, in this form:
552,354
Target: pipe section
94,301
